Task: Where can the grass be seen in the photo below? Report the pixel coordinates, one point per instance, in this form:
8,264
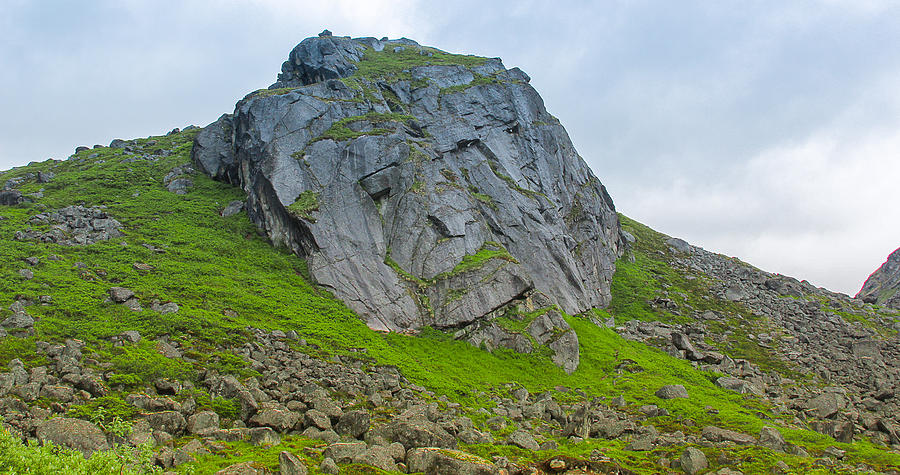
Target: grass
230,453
305,205
340,130
390,65
490,250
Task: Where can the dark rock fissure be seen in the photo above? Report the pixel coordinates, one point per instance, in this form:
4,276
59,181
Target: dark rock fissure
350,173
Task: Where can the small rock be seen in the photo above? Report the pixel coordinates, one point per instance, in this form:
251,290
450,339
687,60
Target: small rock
290,464
264,436
672,391
693,461
523,439
244,468
131,336
26,274
329,466
771,438
120,294
233,208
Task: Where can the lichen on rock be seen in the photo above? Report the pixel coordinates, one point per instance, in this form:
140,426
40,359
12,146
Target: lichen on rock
418,160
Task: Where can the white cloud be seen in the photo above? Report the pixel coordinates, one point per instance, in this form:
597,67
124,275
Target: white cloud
821,208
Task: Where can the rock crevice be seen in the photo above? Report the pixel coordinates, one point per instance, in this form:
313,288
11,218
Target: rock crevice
424,188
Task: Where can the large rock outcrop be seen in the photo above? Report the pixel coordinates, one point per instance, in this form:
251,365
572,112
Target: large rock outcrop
424,188
883,285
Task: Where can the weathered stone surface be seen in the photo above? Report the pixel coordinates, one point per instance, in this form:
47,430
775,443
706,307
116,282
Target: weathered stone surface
417,433
120,294
693,461
202,421
738,385
716,434
275,416
771,438
827,404
353,423
672,391
290,464
233,208
11,197
264,436
72,226
318,59
187,452
213,153
73,433
446,462
345,452
882,286
244,468
167,421
523,439
494,171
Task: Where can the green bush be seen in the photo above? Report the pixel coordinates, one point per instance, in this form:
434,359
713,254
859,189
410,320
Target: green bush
17,457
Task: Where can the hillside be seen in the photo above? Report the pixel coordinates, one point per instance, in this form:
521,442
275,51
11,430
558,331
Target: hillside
881,287
144,303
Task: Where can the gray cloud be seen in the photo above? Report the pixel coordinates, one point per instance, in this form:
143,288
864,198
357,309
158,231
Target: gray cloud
765,130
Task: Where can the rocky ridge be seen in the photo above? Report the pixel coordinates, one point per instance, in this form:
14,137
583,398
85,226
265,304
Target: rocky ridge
881,287
816,333
360,414
424,188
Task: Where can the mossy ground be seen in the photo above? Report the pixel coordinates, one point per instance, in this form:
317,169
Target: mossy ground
225,278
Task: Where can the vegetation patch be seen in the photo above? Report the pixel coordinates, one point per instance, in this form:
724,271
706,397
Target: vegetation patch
480,80
305,205
340,130
512,183
395,65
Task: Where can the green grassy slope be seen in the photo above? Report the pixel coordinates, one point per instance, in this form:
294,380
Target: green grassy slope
225,277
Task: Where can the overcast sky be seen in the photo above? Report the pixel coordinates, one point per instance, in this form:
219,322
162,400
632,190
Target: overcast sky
769,131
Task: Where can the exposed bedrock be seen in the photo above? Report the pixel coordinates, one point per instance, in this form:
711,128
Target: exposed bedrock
433,195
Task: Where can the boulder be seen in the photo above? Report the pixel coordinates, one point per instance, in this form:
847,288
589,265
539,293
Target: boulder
416,433
353,423
290,464
434,460
11,197
275,416
716,434
264,436
827,404
738,385
345,452
74,434
672,391
771,438
523,439
167,421
202,422
245,468
693,461
120,294
212,152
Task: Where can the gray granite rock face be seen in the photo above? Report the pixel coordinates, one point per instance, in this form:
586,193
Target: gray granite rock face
414,203
882,286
